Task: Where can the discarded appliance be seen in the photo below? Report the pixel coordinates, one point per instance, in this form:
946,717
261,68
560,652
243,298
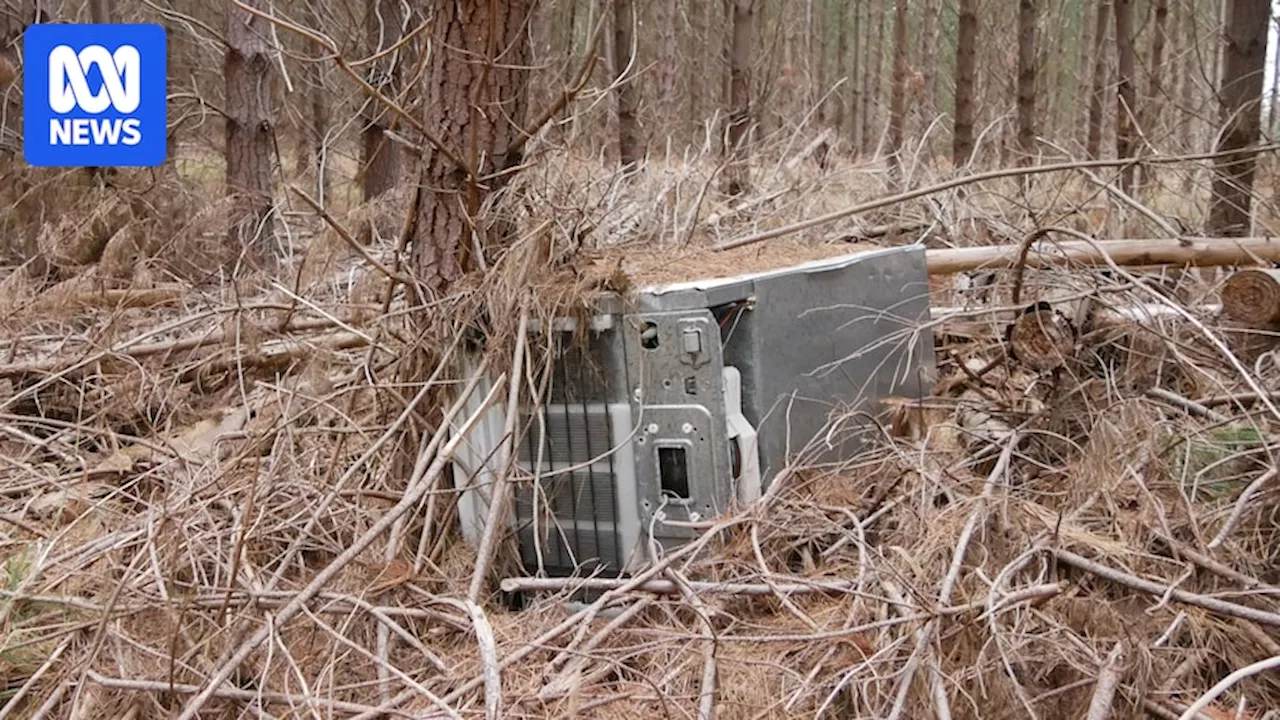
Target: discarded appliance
684,398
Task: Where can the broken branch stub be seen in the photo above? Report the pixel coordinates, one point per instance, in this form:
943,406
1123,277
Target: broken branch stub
1041,338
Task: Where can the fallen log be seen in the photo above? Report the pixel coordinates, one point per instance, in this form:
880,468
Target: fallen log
1252,297
1197,252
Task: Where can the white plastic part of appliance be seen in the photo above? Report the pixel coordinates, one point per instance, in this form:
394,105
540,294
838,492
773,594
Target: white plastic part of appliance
479,458
748,480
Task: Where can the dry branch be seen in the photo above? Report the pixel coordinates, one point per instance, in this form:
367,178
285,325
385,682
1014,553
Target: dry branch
1225,684
248,696
1105,690
1197,252
667,587
969,180
138,350
424,476
1212,604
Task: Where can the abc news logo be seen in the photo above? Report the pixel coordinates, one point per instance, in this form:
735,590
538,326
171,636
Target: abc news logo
69,90
95,95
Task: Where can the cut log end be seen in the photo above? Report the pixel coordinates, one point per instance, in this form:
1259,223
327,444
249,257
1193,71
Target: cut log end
1041,338
1252,297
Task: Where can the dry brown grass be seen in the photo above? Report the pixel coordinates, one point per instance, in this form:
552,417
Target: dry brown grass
181,458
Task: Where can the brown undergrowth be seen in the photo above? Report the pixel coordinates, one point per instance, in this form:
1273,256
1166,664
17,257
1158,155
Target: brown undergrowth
202,480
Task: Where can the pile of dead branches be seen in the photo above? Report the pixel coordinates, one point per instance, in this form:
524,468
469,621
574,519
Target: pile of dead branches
219,500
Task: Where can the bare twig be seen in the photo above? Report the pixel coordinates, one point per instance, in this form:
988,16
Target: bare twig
667,587
1237,510
1108,681
1227,682
968,180
421,482
494,526
234,693
1221,607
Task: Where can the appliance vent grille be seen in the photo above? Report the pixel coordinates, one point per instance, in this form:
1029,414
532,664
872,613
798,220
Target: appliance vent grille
571,518
571,435
579,496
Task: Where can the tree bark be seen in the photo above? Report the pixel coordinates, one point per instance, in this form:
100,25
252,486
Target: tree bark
1155,89
966,64
898,93
838,113
1275,91
100,11
1126,106
876,75
1243,65
818,17
694,69
313,151
476,96
1153,103
666,70
1097,98
857,80
738,173
625,63
381,156
928,27
17,244
1191,32
250,130
11,27
1027,17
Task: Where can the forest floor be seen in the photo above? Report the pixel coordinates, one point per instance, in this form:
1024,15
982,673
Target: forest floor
208,480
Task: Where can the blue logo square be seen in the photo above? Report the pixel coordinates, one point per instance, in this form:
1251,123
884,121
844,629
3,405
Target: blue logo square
94,95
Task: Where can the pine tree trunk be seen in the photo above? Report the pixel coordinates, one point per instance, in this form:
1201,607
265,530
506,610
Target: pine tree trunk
1244,61
667,94
313,150
738,174
856,80
818,61
381,156
898,93
874,94
1076,121
1275,90
1126,106
99,11
966,64
1097,98
567,29
1153,103
1155,89
478,107
626,63
16,243
249,134
927,56
693,64
1027,16
11,27
843,74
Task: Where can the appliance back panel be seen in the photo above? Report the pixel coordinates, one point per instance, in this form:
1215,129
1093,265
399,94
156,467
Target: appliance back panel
828,340
807,341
